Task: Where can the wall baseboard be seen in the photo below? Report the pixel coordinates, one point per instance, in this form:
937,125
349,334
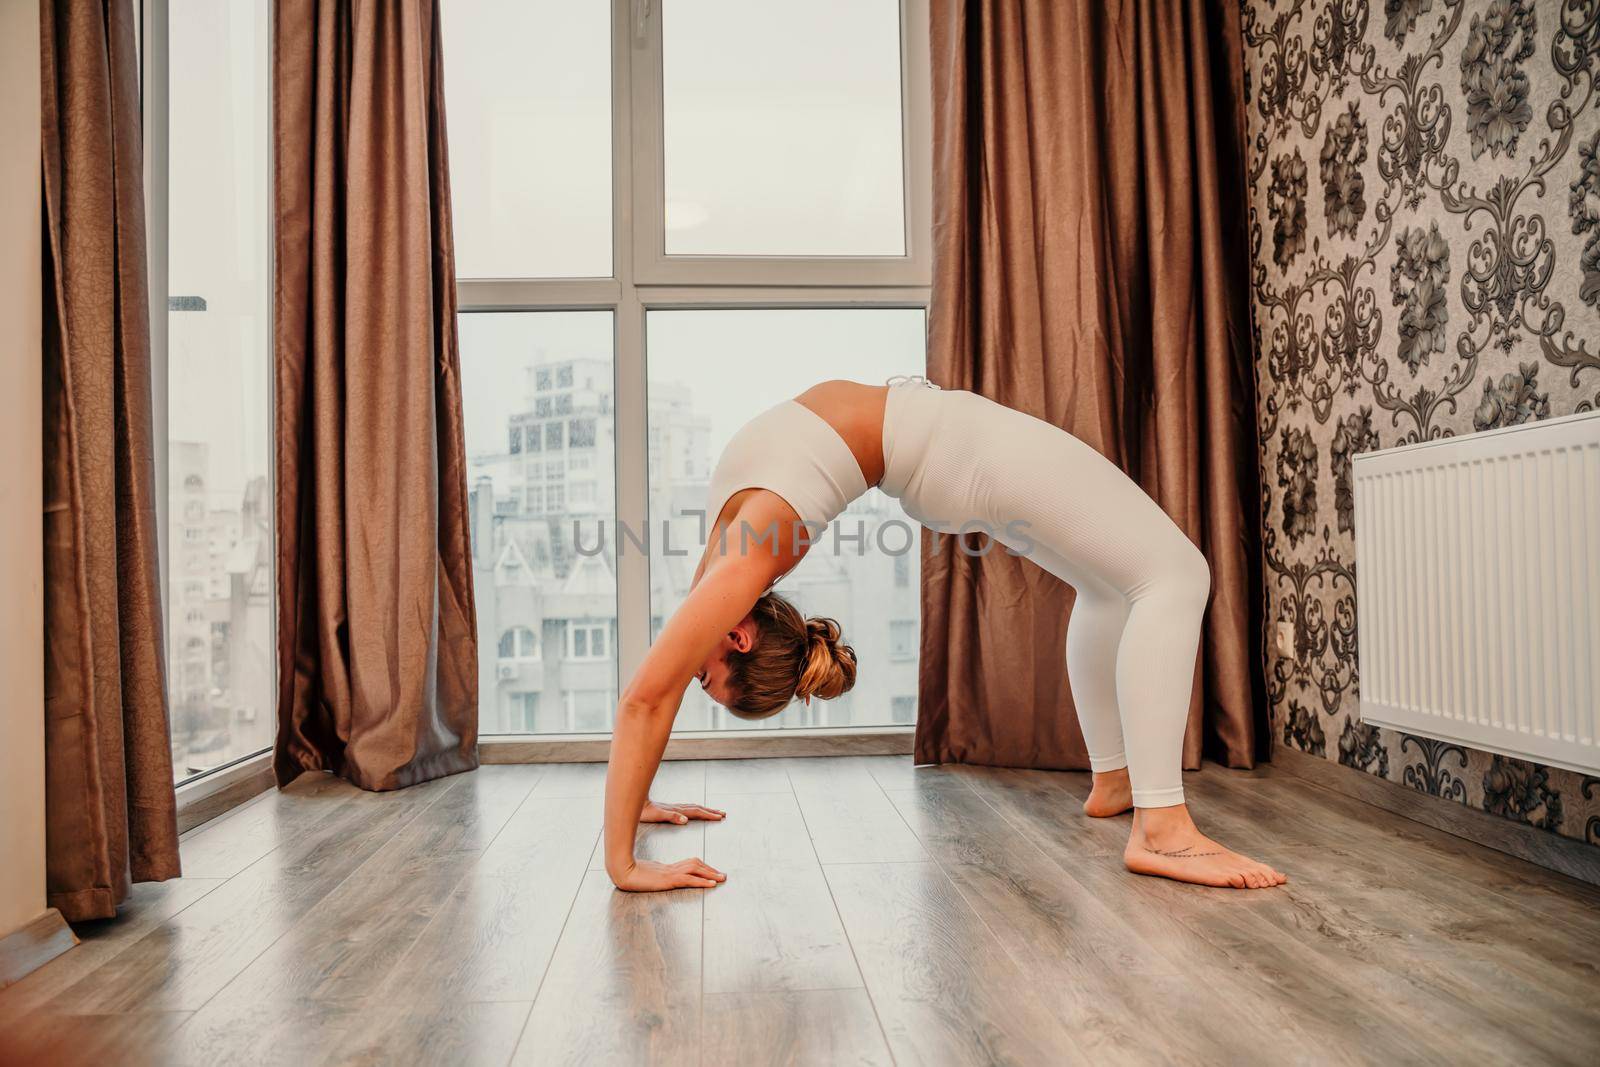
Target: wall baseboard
753,745
33,945
1568,856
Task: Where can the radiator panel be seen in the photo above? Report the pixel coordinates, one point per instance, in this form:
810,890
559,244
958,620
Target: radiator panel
1478,589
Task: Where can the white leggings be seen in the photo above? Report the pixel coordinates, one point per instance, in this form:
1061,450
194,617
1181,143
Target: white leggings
954,458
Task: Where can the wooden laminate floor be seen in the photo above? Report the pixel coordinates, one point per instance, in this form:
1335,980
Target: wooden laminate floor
873,914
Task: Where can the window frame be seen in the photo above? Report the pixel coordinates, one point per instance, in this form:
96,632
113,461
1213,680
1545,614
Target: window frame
644,280
652,266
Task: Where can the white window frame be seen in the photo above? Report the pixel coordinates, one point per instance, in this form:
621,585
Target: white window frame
653,266
644,279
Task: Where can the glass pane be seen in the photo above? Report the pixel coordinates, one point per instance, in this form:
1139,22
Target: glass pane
528,94
537,387
220,657
709,372
781,128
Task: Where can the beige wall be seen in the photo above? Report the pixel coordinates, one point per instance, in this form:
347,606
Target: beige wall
21,627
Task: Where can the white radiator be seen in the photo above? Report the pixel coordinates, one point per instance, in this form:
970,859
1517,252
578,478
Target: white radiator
1478,589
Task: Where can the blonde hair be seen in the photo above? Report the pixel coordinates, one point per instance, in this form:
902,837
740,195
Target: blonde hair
792,656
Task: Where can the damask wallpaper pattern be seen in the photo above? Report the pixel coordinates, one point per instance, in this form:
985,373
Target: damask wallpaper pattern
1425,225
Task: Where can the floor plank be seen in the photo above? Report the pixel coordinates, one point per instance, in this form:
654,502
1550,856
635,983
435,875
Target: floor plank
184,962
624,985
146,1039
941,914
775,928
462,1034
899,772
1084,959
223,847
148,907
312,1033
848,817
494,936
676,780
724,776
361,930
944,990
761,829
1048,805
814,1028
1015,886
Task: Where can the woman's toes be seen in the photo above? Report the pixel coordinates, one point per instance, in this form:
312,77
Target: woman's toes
1269,877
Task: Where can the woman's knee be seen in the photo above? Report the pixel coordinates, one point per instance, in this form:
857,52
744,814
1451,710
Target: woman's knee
1183,576
1193,575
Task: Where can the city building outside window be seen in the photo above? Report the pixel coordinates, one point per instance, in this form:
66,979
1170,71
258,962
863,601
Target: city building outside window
587,640
519,643
903,639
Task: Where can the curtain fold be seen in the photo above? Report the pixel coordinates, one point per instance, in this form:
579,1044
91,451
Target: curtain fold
109,801
377,640
1090,269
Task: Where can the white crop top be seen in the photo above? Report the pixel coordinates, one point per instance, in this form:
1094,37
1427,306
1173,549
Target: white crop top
792,451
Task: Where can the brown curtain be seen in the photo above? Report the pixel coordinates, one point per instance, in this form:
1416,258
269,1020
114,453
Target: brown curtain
377,648
109,802
1090,269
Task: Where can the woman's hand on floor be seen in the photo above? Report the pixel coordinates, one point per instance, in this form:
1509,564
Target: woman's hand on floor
648,876
679,813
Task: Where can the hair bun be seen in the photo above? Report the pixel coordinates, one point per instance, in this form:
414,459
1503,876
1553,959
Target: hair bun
829,668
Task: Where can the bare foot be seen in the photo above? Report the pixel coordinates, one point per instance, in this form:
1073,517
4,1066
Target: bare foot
1166,844
1112,794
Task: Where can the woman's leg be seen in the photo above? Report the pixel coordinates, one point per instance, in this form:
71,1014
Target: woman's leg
1131,650
1097,530
1094,634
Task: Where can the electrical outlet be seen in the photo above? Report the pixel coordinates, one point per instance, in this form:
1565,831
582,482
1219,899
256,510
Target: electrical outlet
1283,640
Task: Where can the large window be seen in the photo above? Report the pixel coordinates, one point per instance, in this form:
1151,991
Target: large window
709,372
670,216
217,504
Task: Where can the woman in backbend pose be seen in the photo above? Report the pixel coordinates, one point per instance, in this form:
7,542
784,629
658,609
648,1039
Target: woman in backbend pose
951,457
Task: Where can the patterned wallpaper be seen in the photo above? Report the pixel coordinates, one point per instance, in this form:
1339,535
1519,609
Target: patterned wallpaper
1425,228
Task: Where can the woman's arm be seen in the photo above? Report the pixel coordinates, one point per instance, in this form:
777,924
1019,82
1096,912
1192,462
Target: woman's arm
726,592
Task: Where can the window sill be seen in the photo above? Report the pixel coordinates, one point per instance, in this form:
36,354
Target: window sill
220,792
215,794
710,744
